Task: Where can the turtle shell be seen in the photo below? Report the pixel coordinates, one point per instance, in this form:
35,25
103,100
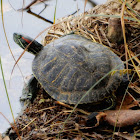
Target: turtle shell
68,67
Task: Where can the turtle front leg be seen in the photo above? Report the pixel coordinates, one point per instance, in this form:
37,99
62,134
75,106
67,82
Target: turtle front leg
29,91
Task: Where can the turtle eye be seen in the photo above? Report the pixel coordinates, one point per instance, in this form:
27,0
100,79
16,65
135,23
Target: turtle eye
19,36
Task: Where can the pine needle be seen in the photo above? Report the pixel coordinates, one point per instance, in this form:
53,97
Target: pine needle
55,12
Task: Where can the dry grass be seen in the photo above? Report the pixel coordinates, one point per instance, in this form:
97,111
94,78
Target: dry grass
45,120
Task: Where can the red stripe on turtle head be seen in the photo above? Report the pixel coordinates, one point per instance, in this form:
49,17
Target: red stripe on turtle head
27,40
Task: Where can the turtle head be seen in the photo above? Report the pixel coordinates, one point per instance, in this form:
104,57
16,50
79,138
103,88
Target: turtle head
24,41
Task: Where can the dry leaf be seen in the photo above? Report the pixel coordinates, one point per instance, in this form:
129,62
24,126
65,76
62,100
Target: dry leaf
124,135
6,138
0,137
122,118
128,102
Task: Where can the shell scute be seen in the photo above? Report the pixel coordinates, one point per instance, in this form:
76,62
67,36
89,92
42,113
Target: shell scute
68,67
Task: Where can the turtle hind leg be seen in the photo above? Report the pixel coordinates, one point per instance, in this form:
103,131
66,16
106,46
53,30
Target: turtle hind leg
112,101
92,119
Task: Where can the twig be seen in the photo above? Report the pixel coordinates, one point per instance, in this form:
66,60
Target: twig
68,106
98,35
54,118
31,4
28,124
46,109
30,12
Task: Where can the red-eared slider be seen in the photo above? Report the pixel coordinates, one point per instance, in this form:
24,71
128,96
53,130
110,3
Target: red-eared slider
69,66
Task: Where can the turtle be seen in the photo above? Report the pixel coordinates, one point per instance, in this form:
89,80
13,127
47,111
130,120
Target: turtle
69,66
